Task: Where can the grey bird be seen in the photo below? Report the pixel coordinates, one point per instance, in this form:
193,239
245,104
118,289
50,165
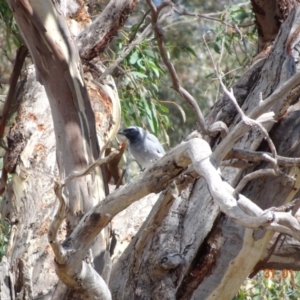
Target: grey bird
143,146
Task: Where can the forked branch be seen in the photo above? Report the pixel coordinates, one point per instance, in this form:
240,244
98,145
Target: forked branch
214,128
156,179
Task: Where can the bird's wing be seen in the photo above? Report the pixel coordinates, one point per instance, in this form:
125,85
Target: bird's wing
153,139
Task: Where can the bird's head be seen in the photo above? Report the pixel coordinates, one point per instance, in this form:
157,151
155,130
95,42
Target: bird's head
132,133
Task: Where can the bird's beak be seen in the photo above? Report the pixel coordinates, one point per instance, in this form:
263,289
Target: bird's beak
122,137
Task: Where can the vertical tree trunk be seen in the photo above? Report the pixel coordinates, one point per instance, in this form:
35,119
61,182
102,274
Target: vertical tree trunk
269,16
186,249
29,203
196,252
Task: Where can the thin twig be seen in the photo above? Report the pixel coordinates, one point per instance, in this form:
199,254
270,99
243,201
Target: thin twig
175,80
258,156
58,249
90,168
125,52
220,126
248,121
212,17
13,80
147,31
256,174
204,16
212,14
138,26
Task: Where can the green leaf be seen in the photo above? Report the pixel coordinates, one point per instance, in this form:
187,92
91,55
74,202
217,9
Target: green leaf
155,87
154,121
163,108
179,108
136,74
133,58
140,63
239,18
176,52
190,51
217,48
149,53
147,108
134,27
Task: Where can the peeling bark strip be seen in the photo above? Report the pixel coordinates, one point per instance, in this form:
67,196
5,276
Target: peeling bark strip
20,58
58,64
93,40
160,176
269,15
7,110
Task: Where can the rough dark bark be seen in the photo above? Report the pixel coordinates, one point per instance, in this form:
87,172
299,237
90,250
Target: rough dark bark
58,67
217,261
269,15
94,40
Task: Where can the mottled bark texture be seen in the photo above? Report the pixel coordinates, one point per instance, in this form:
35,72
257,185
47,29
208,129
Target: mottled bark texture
241,249
212,254
94,40
269,15
30,205
186,248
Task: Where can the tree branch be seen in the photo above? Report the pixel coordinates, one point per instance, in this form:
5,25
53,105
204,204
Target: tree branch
100,161
256,174
159,177
126,51
211,18
258,156
218,126
13,80
58,250
246,120
275,102
94,39
240,129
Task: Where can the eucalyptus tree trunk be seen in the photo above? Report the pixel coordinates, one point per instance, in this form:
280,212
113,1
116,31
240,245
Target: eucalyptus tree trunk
192,251
44,149
186,248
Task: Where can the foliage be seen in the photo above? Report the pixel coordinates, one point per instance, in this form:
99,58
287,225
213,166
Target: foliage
9,41
232,41
7,22
271,285
144,87
139,87
4,235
